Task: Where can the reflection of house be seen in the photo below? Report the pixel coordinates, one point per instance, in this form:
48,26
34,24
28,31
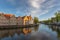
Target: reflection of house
27,20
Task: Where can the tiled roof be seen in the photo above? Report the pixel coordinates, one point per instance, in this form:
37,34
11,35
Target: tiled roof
8,15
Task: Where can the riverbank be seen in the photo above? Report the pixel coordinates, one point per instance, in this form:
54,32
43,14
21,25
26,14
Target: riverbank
53,24
17,26
56,24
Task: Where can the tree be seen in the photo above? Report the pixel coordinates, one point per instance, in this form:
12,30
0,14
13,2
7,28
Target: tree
57,16
36,20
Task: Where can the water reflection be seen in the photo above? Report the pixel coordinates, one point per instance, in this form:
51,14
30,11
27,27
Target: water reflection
57,29
41,32
15,34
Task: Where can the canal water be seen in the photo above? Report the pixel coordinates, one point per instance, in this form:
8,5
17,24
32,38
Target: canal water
41,32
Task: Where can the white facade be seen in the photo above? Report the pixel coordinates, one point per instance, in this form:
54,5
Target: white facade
31,21
7,21
12,21
3,20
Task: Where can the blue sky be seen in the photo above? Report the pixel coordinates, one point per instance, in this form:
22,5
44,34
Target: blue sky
43,9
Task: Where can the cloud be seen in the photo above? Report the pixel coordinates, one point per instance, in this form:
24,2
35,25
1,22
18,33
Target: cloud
38,13
36,3
34,7
41,7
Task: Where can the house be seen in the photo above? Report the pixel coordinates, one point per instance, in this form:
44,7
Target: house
27,20
11,19
31,21
19,20
3,20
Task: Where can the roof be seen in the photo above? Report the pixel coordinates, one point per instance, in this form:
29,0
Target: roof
27,17
8,15
23,17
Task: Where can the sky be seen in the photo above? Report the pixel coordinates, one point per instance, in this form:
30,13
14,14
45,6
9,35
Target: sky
43,9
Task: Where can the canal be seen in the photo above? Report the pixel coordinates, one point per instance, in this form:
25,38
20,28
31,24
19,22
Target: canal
41,32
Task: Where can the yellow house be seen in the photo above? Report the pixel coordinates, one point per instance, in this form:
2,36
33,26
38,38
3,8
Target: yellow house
27,20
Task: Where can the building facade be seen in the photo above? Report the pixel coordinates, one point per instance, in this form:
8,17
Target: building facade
10,19
19,20
3,20
27,20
